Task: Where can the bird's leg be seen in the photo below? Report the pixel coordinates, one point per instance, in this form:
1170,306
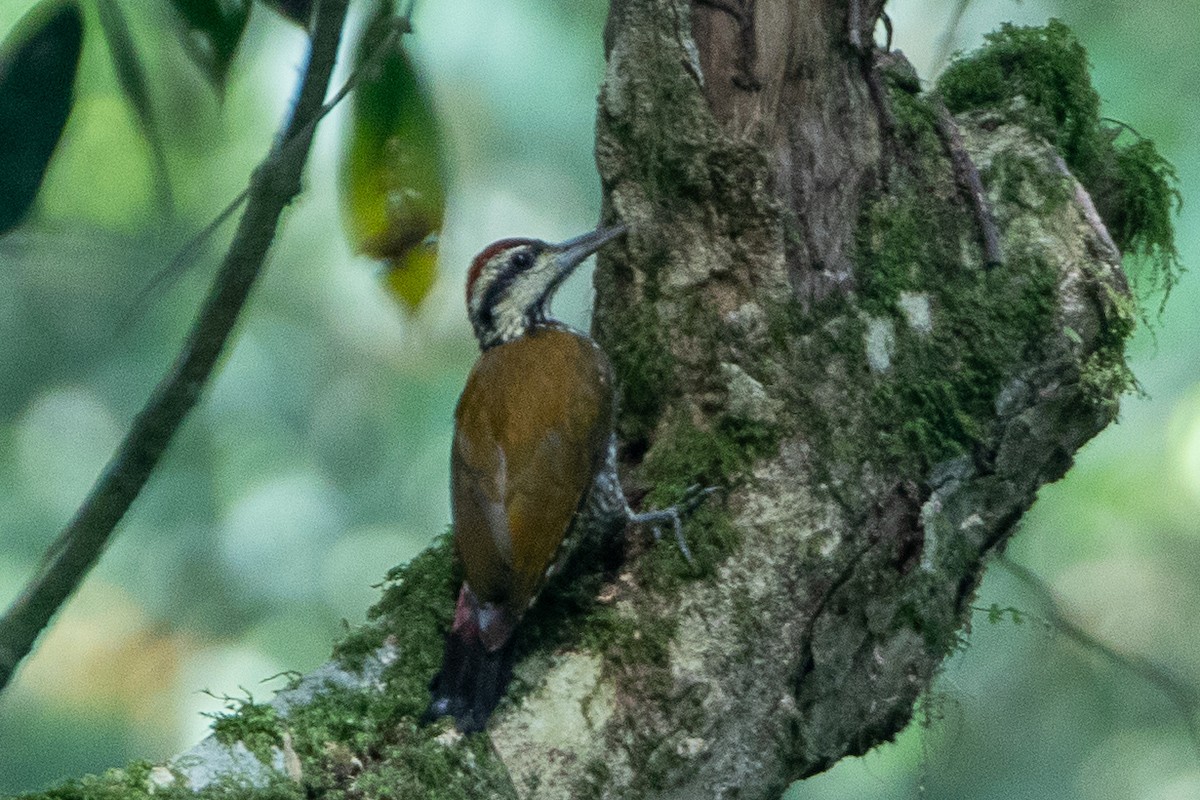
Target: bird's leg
676,514
608,505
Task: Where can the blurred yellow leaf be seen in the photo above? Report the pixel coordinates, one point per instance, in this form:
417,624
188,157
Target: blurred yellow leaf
410,275
393,197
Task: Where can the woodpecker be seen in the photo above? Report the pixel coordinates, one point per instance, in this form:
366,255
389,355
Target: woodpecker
533,464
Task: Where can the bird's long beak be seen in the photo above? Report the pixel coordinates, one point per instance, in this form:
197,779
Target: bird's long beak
572,252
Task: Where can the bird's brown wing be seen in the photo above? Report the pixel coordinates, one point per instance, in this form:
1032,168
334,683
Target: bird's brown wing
530,430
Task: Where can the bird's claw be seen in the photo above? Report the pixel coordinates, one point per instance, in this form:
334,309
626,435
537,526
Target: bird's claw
692,498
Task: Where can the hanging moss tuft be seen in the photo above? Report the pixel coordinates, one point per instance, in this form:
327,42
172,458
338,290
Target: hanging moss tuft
1041,74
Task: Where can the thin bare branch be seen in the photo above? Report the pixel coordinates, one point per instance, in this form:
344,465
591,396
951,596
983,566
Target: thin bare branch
1183,697
1089,209
273,185
946,42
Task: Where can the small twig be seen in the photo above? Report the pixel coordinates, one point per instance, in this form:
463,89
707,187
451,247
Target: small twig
885,118
1178,693
1084,201
842,577
180,263
189,252
274,184
968,178
1122,124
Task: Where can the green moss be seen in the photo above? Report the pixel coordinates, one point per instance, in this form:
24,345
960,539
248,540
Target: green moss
894,251
132,783
939,624
595,779
1104,379
433,770
941,391
914,118
1024,183
413,614
637,658
352,743
1041,76
666,166
645,370
400,760
1138,204
914,230
113,784
627,642
363,745
1048,68
935,395
417,609
685,456
1104,375
256,725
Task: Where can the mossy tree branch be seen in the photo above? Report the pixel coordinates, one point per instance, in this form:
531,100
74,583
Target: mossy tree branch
803,314
274,184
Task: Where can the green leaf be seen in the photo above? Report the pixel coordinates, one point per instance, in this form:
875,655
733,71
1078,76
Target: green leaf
213,30
131,75
298,11
393,188
38,62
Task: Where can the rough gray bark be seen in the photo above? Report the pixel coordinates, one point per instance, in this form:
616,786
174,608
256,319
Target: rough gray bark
802,313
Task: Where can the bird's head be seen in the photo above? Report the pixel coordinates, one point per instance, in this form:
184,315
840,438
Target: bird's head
511,282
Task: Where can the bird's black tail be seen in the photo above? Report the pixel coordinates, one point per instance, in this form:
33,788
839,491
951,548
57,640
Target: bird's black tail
473,677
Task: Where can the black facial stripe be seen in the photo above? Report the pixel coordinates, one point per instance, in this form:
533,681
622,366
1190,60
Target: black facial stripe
494,292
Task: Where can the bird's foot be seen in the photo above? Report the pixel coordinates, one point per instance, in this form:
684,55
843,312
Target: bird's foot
675,515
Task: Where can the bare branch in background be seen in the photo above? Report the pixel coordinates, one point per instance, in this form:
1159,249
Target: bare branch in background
274,184
1177,692
946,42
188,254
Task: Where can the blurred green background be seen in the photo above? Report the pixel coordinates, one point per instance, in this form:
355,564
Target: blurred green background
318,457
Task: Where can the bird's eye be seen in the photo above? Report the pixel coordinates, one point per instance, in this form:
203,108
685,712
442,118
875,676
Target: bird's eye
522,259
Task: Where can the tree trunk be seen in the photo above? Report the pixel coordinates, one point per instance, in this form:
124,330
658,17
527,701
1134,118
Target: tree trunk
807,314
880,403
